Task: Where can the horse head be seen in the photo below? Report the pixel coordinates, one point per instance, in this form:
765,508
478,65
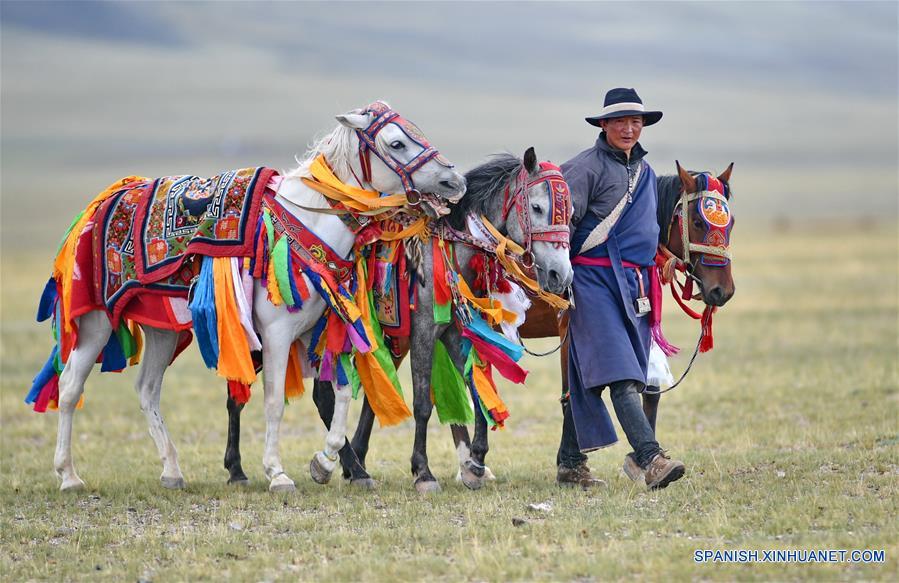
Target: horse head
537,211
699,233
390,154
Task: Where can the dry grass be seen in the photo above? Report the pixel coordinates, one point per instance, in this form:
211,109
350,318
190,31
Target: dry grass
788,430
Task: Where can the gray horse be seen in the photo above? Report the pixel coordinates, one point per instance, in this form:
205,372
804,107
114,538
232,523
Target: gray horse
489,186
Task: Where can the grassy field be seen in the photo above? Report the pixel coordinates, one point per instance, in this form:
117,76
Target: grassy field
788,429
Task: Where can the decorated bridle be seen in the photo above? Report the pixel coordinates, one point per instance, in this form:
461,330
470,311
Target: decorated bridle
517,260
713,195
557,231
367,145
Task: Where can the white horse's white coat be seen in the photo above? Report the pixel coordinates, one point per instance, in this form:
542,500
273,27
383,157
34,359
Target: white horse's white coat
277,326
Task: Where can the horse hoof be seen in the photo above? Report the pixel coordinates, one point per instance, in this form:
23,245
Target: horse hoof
363,483
72,485
239,482
427,487
281,483
172,483
469,477
319,470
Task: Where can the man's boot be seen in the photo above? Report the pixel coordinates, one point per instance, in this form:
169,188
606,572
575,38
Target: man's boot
663,470
577,476
632,469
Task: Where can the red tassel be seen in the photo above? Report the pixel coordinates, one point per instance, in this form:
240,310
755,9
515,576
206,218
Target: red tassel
442,293
479,267
707,342
48,394
239,391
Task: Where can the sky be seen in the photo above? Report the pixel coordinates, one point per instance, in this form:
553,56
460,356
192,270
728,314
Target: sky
801,96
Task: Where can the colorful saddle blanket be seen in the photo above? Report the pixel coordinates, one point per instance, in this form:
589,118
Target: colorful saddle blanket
182,215
144,233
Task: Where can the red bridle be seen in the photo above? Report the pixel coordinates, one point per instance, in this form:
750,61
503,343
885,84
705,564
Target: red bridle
557,231
367,144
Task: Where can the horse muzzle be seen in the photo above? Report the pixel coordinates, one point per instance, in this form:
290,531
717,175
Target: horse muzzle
717,295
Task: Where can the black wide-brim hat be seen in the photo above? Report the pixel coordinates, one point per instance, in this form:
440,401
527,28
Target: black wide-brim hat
622,102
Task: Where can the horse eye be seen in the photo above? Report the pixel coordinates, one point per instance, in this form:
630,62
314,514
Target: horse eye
397,145
537,209
697,223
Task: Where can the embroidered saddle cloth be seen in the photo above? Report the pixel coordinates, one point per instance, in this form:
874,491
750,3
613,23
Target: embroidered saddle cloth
144,233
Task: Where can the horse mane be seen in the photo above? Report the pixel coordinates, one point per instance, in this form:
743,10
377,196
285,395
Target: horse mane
338,147
484,184
668,191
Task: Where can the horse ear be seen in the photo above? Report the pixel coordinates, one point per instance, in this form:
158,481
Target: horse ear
725,176
688,182
530,160
356,119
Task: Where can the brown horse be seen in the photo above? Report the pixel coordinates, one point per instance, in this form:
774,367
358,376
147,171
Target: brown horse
680,235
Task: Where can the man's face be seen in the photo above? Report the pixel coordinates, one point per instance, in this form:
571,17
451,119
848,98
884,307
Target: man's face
623,132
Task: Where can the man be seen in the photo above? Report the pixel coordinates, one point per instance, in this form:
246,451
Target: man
613,244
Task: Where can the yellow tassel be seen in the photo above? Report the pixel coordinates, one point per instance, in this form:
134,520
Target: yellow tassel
487,390
234,362
325,182
138,341
274,293
293,381
515,271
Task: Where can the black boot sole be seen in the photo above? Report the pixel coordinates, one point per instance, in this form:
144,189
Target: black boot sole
675,474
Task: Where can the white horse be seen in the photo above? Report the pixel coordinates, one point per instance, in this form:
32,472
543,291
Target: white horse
403,162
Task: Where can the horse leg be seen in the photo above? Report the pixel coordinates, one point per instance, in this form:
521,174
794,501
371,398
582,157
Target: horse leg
353,470
651,405
362,436
94,329
276,341
472,471
324,462
423,338
236,474
160,347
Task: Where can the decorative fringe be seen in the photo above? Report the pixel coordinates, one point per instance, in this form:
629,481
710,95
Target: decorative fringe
489,397
448,390
114,359
234,361
138,337
239,391
293,381
243,292
707,342
377,373
279,265
662,342
655,317
64,265
202,309
47,303
443,297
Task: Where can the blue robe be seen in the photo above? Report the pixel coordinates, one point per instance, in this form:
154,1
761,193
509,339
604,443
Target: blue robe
608,341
